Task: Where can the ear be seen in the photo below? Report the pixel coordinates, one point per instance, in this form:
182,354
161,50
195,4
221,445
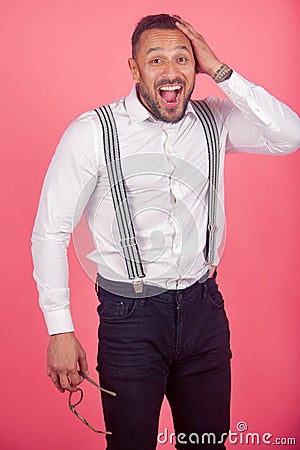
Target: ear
134,69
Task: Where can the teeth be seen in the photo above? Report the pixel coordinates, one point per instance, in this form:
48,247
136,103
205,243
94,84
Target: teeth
170,88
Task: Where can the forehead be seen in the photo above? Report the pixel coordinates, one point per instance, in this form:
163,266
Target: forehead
166,40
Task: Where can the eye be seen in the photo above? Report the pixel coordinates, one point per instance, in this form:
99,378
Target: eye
182,59
156,61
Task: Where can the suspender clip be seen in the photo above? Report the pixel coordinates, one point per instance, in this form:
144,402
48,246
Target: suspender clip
138,285
128,241
211,269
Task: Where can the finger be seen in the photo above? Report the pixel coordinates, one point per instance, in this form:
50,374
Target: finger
65,383
193,37
186,28
183,22
83,365
74,378
56,381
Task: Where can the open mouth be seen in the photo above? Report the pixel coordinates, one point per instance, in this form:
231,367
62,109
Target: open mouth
170,95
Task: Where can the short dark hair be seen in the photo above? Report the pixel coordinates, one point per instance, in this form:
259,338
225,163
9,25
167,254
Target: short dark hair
160,21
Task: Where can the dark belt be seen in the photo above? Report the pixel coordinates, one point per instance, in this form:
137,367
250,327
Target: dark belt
124,289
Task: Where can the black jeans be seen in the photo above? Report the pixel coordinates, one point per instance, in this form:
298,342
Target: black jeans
174,344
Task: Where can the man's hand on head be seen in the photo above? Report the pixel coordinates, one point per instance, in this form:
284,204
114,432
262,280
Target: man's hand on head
64,358
206,61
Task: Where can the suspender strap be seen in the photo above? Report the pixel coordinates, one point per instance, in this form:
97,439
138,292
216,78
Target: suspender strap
117,185
213,144
120,201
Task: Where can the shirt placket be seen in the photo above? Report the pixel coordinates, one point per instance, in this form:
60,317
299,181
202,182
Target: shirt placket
175,194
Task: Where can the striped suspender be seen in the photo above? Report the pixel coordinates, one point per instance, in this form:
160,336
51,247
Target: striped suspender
120,201
213,144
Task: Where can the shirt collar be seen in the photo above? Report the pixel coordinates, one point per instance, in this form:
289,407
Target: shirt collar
137,111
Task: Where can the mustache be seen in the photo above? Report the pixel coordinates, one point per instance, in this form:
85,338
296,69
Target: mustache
163,82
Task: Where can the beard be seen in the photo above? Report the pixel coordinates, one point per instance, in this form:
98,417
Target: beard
152,103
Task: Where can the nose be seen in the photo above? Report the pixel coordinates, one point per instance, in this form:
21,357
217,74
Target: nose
170,69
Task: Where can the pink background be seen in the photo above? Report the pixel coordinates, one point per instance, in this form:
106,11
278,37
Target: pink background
63,57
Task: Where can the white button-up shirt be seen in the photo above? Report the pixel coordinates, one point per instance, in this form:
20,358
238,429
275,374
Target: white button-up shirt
165,167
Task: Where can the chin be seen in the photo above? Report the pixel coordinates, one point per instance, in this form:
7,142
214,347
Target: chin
171,116
172,119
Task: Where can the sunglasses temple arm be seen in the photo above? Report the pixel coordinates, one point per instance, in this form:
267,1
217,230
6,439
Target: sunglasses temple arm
107,391
97,385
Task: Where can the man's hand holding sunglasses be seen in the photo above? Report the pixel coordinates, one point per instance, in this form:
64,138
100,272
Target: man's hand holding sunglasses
65,358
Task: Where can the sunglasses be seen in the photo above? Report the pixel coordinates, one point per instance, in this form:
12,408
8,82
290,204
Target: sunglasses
72,405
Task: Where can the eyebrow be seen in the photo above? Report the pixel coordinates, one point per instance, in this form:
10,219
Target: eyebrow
155,49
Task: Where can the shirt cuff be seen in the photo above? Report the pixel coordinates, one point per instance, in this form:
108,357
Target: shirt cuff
249,98
236,84
59,321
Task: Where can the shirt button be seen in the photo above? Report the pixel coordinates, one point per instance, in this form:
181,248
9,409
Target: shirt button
177,247
179,296
274,127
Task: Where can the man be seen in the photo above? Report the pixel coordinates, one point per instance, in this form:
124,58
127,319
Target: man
172,339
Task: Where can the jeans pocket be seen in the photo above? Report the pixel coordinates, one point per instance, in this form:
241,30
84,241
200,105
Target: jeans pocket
213,294
114,307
